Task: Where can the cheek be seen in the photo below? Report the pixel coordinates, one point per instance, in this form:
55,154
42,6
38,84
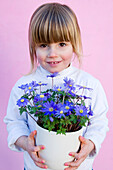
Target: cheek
39,53
40,59
68,56
40,56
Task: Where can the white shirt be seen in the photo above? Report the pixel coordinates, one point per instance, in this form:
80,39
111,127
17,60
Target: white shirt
19,125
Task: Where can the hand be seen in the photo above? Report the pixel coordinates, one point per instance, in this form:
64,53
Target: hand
34,150
86,147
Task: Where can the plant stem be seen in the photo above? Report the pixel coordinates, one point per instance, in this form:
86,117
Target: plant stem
52,82
31,116
31,103
63,99
83,90
77,100
40,89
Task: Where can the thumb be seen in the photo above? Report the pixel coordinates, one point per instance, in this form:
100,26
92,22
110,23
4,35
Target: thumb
82,139
32,134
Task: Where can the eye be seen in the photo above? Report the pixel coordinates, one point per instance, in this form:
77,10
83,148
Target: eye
62,44
43,45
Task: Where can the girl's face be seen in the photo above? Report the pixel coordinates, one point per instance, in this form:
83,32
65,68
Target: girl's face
54,57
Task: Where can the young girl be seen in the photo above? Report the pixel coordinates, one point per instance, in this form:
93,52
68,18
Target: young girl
54,38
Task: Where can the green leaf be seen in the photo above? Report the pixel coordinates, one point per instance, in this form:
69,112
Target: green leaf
29,107
22,109
83,120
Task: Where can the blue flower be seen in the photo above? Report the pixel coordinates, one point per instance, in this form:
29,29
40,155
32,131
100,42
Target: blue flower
84,87
41,84
85,97
57,88
90,113
29,87
33,83
51,119
69,83
23,86
69,113
68,106
81,110
72,93
49,108
48,95
60,112
53,75
22,102
40,97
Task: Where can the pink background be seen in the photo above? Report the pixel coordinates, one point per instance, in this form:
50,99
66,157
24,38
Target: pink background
96,21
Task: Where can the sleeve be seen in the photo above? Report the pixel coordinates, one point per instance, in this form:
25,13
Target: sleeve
98,127
16,124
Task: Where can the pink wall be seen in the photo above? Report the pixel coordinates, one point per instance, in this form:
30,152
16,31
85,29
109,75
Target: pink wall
96,22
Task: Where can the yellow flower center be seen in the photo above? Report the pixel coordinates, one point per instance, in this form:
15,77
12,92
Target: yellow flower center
61,111
39,105
59,89
29,88
50,109
67,107
70,85
81,111
22,100
41,96
40,83
72,91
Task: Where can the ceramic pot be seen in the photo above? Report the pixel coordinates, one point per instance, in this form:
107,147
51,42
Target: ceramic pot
57,147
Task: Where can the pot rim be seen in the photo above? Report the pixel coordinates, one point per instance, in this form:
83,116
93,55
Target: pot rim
53,132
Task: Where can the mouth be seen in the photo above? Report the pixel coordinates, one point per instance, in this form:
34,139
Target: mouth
53,62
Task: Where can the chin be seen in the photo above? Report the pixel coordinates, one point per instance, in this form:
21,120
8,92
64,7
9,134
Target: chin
53,70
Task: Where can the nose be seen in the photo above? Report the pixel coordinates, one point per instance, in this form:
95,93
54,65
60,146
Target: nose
52,52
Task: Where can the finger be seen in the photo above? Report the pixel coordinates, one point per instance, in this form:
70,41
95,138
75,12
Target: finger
38,161
77,163
83,140
38,148
74,164
36,158
84,152
70,168
32,134
74,154
41,165
35,150
78,159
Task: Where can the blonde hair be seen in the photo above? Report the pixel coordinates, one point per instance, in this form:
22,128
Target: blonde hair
50,23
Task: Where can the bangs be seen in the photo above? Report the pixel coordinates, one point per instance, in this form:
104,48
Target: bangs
53,26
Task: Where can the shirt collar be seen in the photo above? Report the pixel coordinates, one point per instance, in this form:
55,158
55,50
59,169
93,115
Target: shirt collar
44,72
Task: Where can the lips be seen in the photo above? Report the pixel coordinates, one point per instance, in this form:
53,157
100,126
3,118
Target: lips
53,62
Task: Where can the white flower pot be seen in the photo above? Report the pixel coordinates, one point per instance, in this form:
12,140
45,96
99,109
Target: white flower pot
57,147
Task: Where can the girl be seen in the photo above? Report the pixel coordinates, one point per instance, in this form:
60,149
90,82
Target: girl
54,38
